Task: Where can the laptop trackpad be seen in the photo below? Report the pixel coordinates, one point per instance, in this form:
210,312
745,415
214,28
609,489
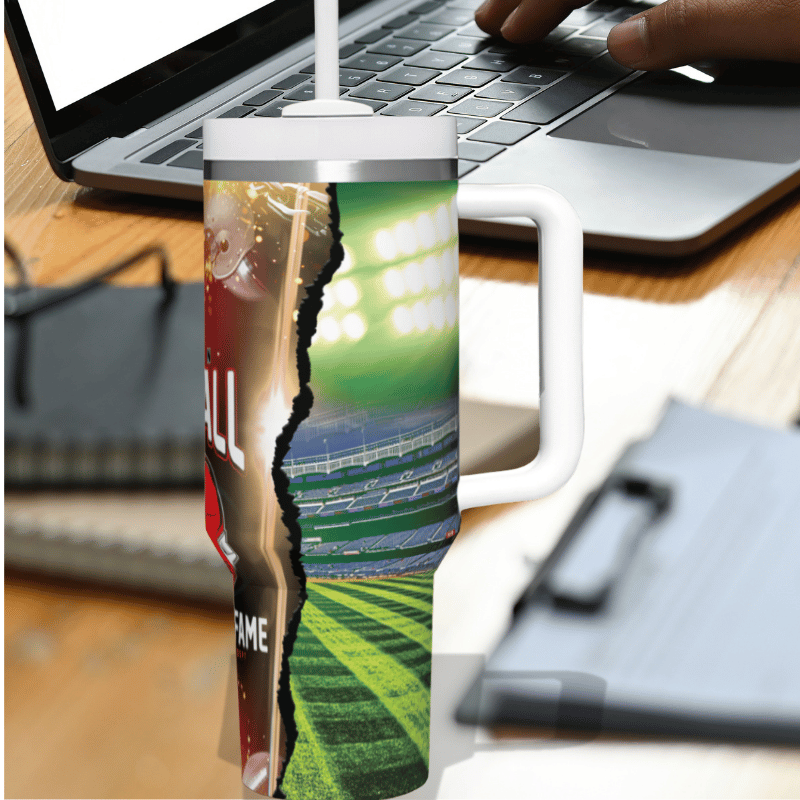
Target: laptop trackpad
732,117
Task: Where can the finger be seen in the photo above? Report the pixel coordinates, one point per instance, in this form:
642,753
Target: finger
493,13
524,21
682,31
534,19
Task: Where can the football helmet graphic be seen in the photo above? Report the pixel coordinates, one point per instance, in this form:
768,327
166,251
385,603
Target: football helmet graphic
215,521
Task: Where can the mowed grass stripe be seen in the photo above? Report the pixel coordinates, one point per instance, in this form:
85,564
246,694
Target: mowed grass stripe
408,652
393,603
406,697
389,593
419,589
346,719
421,592
396,774
396,594
403,625
340,725
419,616
323,780
423,580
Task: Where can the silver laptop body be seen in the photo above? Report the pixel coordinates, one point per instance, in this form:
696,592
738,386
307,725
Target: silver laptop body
660,164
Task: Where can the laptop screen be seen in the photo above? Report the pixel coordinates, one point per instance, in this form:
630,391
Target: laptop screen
92,69
85,45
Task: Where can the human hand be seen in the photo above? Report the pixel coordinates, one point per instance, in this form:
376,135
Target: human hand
668,35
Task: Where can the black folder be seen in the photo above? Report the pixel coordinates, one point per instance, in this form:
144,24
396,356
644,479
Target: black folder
671,604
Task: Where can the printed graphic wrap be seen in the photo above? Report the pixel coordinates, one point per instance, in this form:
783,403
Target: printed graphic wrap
332,438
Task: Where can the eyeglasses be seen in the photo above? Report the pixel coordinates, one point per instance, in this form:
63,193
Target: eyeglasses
24,300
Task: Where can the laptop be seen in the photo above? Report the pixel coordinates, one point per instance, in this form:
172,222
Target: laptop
660,164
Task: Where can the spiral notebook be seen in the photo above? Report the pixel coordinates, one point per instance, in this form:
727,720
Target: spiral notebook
104,390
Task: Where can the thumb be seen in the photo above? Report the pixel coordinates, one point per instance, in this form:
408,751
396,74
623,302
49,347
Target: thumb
681,31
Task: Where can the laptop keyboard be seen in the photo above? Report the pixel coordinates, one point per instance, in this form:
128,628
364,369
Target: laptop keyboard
434,60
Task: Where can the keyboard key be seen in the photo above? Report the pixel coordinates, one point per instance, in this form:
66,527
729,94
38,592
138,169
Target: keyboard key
534,76
348,77
195,134
234,113
584,47
505,49
462,44
433,60
478,151
601,29
538,56
507,91
373,36
414,76
274,108
397,47
312,67
452,16
440,94
501,132
400,22
493,62
262,97
354,77
581,17
468,77
308,92
481,108
172,149
473,5
571,92
349,50
465,167
557,34
467,124
558,60
412,108
381,91
426,33
290,82
370,61
375,105
621,14
191,160
425,8
472,30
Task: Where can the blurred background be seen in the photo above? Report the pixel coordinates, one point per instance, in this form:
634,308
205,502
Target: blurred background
118,630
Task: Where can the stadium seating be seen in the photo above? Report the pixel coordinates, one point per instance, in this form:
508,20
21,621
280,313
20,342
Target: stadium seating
425,475
332,506
423,535
309,509
326,548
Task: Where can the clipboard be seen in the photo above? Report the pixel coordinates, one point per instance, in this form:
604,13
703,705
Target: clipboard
671,604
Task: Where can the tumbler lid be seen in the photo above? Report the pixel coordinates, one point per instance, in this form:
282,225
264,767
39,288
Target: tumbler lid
372,138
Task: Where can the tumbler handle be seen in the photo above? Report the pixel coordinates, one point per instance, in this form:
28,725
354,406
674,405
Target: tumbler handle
560,342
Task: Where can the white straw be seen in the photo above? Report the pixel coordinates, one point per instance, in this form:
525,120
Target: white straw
326,42
326,102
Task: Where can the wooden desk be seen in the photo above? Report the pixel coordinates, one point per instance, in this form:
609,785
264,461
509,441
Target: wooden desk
122,696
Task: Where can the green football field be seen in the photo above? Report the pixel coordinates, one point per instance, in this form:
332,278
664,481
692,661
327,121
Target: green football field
360,677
